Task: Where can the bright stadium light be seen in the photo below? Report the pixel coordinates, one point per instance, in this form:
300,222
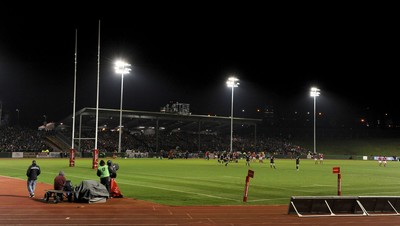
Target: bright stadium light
121,68
314,92
232,83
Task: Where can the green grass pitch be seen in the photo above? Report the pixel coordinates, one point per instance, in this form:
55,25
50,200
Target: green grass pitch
205,182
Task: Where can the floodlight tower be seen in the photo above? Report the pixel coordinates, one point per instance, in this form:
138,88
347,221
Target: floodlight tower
314,92
232,82
121,68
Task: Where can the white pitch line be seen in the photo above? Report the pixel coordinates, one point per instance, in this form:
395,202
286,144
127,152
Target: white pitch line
317,185
185,192
379,193
232,177
174,190
261,200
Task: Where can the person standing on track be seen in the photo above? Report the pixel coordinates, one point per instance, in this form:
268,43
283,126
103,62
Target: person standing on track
111,169
32,173
104,175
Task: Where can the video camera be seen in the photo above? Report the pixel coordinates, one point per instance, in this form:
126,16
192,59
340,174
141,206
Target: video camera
112,168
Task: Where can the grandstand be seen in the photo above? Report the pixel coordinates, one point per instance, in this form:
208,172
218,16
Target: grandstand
145,123
180,133
140,120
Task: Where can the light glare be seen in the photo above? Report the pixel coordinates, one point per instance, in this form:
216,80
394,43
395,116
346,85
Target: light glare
121,67
232,82
314,92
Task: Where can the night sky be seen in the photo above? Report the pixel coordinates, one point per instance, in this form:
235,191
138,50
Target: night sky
187,55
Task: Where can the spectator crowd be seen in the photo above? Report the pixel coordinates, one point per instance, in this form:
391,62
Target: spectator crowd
181,144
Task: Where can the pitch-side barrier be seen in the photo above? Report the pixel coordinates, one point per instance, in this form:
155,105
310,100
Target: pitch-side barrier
328,206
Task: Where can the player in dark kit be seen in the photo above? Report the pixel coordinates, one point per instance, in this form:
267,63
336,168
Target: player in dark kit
247,159
227,157
297,163
221,158
272,162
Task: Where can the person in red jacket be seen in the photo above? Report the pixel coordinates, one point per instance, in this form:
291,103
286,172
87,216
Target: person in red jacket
59,182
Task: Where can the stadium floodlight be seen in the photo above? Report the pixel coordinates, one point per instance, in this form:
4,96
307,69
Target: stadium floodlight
314,92
232,83
121,68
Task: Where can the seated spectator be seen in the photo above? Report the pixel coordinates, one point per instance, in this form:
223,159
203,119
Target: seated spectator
59,182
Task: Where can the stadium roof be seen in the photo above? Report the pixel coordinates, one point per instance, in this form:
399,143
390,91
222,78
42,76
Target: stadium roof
138,120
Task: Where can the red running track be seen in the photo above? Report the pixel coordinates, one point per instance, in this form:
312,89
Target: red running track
16,208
